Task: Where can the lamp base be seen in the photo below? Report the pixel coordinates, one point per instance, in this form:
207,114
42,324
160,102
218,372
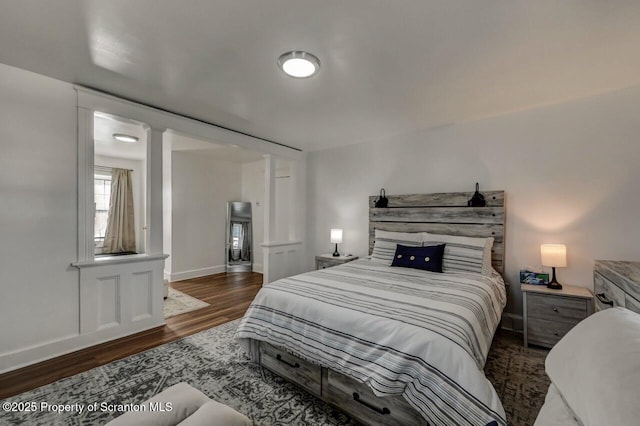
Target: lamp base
336,253
553,284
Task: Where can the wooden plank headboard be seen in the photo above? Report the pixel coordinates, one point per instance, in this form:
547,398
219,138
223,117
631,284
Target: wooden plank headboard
443,213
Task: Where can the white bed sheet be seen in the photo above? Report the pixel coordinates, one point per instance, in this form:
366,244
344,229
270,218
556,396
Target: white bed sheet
420,334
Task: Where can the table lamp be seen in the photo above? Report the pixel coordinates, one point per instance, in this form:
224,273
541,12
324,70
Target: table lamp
336,237
555,256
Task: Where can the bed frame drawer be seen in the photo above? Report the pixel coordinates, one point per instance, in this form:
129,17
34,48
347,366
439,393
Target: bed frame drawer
546,333
297,370
359,401
561,309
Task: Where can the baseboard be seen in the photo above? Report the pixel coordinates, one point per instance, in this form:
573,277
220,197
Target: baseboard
68,344
194,273
512,322
257,267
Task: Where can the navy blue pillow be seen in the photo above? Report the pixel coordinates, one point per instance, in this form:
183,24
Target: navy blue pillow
427,258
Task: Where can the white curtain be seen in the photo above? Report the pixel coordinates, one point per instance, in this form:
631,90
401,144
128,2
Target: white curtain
245,253
120,236
241,251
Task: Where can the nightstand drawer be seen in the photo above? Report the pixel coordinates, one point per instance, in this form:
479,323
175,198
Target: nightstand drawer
327,261
556,308
546,333
322,264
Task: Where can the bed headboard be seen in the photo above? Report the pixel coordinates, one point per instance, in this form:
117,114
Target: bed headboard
443,213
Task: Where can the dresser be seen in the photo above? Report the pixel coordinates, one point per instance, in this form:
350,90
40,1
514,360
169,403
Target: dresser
550,314
617,283
328,260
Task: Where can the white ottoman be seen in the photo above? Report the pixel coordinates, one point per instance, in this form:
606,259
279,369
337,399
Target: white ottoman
189,407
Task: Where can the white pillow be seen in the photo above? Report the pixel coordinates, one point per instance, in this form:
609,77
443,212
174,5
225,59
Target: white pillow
384,247
596,368
463,254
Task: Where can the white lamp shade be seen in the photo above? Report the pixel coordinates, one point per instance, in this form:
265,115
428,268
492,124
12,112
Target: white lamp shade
553,255
336,236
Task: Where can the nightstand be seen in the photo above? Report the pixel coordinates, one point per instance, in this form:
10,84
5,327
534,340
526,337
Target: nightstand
550,314
327,260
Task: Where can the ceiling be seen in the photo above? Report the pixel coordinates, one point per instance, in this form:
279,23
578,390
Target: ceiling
387,67
216,150
105,125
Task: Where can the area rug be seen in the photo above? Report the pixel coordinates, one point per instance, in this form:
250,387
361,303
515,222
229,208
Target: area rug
517,374
214,363
179,303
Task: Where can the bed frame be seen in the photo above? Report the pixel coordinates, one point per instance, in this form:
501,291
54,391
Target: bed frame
441,213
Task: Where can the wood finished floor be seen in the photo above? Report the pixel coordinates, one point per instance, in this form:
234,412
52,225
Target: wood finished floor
229,295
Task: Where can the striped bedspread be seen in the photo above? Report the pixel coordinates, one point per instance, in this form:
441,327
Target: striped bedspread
408,332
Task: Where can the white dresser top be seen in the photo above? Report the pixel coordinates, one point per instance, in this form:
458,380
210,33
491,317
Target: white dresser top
567,290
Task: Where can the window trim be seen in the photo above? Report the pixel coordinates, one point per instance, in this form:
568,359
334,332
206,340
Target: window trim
103,176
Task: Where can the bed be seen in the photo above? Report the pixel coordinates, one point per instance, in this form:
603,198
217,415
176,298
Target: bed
595,368
392,345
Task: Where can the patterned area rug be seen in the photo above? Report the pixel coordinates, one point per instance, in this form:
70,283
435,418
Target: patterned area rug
517,374
214,363
179,303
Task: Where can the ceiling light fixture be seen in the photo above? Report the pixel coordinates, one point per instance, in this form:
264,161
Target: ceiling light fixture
299,64
125,138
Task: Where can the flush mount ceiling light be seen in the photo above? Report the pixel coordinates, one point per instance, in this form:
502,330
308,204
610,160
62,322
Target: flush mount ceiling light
125,138
299,64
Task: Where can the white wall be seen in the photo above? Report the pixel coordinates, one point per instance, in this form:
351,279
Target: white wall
39,238
201,188
253,192
138,177
38,210
571,173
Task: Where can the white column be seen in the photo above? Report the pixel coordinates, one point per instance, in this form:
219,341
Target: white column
298,200
167,201
269,198
299,211
86,206
269,215
154,191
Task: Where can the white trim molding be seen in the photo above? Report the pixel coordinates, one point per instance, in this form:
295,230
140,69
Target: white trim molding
115,260
512,322
159,119
194,273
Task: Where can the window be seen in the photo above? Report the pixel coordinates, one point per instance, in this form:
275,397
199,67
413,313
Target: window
236,233
102,195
